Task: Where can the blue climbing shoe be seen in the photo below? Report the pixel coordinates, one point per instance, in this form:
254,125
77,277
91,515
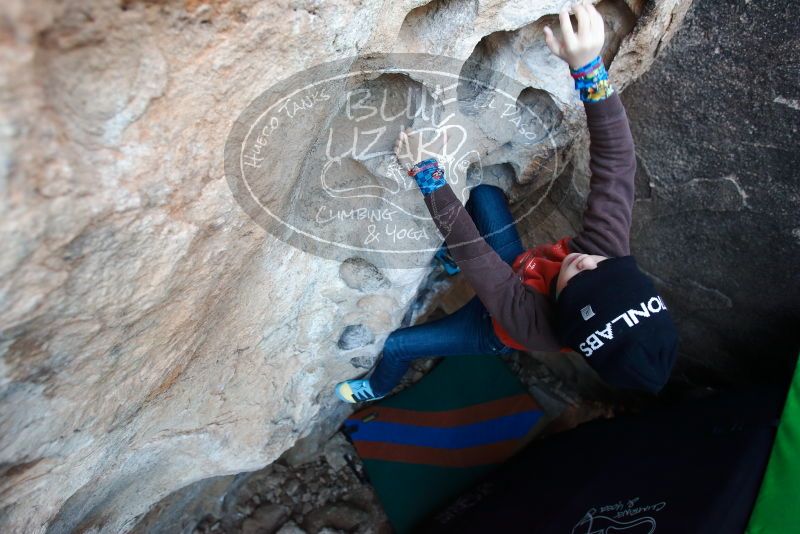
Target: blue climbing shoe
353,391
450,266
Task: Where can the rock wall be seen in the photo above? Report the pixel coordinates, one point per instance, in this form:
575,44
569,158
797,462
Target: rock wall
716,219
151,335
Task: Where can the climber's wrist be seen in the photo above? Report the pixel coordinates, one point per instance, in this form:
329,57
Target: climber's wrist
592,81
428,175
586,67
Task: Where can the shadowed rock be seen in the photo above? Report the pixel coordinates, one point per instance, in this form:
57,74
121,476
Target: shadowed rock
355,336
360,274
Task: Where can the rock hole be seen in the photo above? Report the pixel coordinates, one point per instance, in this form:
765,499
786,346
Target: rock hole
429,28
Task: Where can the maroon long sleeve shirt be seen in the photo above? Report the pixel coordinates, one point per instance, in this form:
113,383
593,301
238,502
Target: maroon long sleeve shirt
526,314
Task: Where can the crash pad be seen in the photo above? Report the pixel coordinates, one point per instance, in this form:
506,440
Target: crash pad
778,500
433,440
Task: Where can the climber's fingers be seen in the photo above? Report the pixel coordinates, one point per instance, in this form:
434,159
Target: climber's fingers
584,21
409,132
398,143
570,40
552,42
401,148
406,149
597,19
434,143
444,144
592,10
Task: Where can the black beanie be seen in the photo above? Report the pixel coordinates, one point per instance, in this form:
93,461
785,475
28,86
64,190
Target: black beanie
613,316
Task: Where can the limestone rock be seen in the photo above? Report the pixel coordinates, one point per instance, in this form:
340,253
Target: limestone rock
718,189
340,517
152,335
266,519
359,274
291,528
355,336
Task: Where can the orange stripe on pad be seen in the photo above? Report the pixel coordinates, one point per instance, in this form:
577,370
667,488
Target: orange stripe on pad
450,418
494,453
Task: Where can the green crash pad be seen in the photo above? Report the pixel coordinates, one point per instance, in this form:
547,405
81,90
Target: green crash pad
424,446
778,501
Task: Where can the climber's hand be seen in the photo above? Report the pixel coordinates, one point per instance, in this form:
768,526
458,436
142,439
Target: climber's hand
577,49
413,146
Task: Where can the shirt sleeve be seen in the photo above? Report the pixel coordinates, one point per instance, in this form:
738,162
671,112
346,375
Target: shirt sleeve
523,312
612,162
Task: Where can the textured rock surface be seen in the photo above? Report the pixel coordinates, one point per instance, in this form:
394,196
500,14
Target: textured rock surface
292,495
151,335
717,221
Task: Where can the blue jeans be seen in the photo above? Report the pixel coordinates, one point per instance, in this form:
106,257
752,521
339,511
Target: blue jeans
468,331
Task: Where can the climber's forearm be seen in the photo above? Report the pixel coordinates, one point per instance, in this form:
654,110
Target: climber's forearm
451,218
612,162
607,219
464,241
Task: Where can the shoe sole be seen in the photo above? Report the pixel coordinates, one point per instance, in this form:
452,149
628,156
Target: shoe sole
341,398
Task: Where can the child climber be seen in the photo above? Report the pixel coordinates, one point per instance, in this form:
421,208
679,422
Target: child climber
584,293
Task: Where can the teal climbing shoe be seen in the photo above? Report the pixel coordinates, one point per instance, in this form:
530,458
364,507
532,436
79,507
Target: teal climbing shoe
443,256
356,391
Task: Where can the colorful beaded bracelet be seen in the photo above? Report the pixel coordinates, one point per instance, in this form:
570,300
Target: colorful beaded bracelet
428,175
593,64
592,81
423,165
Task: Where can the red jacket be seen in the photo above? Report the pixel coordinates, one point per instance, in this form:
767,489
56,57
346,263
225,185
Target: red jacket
537,267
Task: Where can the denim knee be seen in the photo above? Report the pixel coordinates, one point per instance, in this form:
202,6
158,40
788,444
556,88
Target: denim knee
390,349
486,189
483,194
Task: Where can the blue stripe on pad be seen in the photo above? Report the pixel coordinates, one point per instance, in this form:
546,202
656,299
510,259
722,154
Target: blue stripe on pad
486,432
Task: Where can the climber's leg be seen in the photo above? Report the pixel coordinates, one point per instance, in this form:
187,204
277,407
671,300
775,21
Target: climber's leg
488,207
468,331
465,332
446,260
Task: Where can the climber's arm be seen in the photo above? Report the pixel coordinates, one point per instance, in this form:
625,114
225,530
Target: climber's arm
612,159
524,313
